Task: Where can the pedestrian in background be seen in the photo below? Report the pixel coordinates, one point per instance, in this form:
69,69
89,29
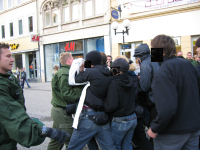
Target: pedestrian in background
62,94
24,78
109,61
189,58
15,124
176,95
179,54
18,74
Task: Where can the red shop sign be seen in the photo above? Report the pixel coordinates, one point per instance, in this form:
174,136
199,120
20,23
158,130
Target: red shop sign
70,46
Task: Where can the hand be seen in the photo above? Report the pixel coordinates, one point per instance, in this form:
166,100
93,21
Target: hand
81,67
58,135
139,77
151,134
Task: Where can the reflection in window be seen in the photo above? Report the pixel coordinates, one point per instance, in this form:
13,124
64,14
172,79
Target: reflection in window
66,14
127,54
30,24
99,7
11,29
95,44
2,32
20,27
47,18
75,12
126,46
55,16
88,8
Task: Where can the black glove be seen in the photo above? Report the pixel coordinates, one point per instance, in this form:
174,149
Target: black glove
58,135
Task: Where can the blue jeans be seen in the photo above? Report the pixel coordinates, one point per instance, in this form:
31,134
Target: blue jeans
182,141
22,85
88,129
123,132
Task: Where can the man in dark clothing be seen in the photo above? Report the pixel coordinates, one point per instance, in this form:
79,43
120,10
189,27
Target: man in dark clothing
176,95
98,76
179,54
23,78
120,102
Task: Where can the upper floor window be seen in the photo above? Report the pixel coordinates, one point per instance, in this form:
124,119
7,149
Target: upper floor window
19,2
3,32
1,5
9,3
20,27
93,7
55,16
30,24
11,29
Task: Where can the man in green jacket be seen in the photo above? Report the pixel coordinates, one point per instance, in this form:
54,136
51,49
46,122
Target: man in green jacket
189,58
62,94
15,124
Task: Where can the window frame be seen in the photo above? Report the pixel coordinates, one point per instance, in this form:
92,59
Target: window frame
18,26
2,32
3,6
12,29
19,3
52,22
47,11
8,4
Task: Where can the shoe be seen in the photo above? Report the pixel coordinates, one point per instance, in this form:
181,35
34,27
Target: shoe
29,87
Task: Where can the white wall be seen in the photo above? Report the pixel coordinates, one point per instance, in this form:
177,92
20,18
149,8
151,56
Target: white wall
181,24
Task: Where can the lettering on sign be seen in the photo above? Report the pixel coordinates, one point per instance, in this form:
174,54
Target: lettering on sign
35,38
70,46
14,46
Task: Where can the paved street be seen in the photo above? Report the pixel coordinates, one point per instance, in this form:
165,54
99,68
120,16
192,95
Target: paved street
37,100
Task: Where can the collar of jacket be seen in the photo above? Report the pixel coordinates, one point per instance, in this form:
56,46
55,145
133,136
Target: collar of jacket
144,57
167,58
5,75
189,60
66,66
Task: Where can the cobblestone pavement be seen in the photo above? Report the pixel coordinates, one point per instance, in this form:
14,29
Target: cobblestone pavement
38,104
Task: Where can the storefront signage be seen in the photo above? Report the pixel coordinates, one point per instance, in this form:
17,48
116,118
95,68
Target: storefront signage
114,14
70,46
35,38
14,46
177,40
141,6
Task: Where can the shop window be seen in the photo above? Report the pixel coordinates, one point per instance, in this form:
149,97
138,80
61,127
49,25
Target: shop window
11,29
2,31
194,48
177,41
30,23
9,3
1,5
20,27
72,46
95,44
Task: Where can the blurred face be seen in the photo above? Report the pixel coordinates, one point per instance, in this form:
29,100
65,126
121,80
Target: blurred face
189,56
180,54
6,61
198,51
70,61
108,59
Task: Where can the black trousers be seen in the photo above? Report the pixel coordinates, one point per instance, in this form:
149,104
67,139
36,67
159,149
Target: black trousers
140,136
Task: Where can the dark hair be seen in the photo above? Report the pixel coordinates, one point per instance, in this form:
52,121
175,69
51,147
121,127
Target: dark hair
103,58
109,56
197,42
165,42
3,45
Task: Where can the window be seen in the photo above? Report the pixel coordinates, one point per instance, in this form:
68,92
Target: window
177,41
88,8
99,7
9,3
95,44
11,29
20,27
93,7
193,44
75,12
47,18
3,32
19,2
55,16
1,5
30,23
66,14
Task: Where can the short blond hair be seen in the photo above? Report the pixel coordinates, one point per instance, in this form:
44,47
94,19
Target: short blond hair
132,66
64,56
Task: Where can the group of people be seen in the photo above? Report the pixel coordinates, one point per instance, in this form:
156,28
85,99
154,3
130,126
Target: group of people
21,77
115,106
195,60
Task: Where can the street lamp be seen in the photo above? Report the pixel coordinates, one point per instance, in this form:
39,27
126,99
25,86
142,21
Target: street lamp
127,26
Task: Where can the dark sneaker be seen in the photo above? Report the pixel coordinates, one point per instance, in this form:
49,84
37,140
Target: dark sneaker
29,87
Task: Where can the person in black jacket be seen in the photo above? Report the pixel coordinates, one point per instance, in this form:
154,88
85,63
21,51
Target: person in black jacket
120,102
176,95
99,77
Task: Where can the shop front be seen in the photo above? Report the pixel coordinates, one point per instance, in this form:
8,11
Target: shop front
78,48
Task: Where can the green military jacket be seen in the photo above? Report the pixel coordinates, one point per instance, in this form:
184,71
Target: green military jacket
62,92
193,62
15,124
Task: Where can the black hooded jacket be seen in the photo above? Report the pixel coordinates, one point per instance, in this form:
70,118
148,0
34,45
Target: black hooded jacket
121,95
99,78
147,69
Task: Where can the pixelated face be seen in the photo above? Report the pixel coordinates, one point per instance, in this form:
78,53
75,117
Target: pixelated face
108,59
180,54
189,56
6,61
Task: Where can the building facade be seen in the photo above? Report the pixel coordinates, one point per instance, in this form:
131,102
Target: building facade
76,26
177,18
18,21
